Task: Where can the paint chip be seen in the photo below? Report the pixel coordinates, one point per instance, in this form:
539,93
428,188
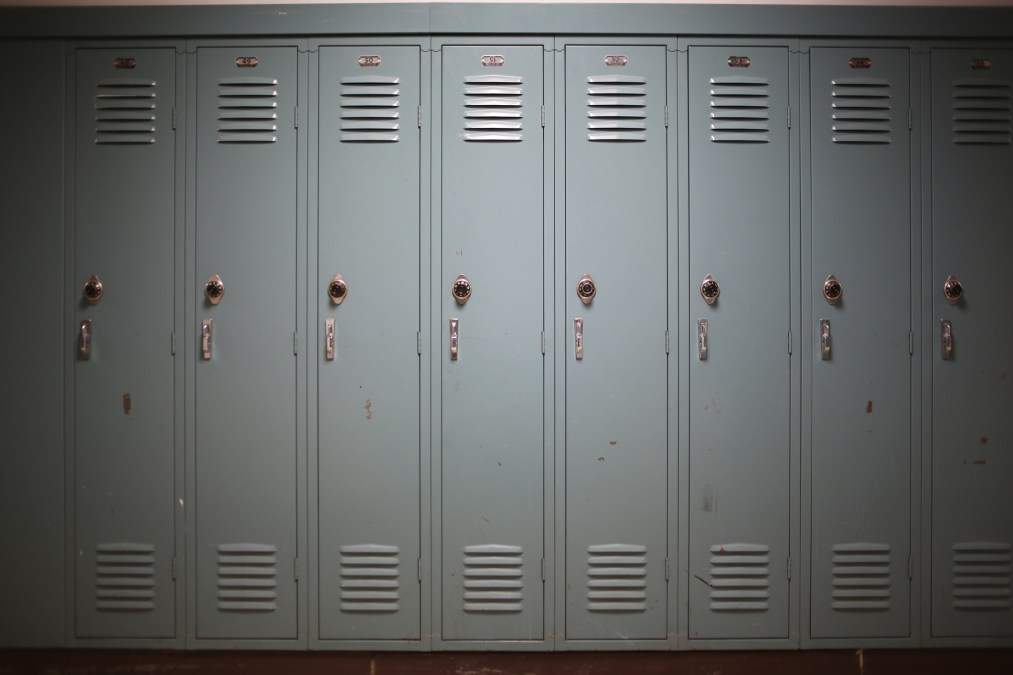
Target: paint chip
127,406
868,407
613,442
984,440
369,409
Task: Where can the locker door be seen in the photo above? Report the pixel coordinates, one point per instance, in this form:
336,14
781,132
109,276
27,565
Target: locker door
972,393
492,421
123,268
861,398
739,386
245,367
368,477
616,381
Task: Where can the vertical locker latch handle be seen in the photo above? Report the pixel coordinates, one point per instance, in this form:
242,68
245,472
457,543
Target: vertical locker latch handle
205,339
701,332
578,339
453,339
947,340
825,339
84,343
329,339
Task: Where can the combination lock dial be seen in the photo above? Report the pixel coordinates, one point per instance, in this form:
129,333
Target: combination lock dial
709,290
953,290
461,289
586,289
214,289
337,289
832,289
93,290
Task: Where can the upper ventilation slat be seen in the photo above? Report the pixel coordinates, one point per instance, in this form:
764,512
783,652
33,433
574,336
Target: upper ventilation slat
125,111
861,111
617,108
370,109
253,100
739,109
493,109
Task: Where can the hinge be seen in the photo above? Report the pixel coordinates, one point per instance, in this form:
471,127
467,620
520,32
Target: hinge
172,343
174,119
295,568
418,342
910,568
789,117
668,342
910,342
668,568
789,568
175,565
295,343
295,117
543,342
420,117
666,115
791,342
543,116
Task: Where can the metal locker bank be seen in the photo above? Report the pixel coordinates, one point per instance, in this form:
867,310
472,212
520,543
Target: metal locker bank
469,327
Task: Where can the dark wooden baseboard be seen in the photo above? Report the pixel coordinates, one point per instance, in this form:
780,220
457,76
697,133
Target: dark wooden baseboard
817,662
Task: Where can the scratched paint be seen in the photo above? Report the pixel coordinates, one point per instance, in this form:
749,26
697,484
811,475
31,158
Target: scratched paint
369,409
127,405
868,407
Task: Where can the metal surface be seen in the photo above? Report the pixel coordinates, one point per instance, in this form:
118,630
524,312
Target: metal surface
947,339
329,340
492,502
207,326
953,290
368,455
617,393
214,289
578,339
454,338
461,289
739,398
972,391
124,431
93,290
709,290
702,330
337,289
832,290
860,518
246,396
586,289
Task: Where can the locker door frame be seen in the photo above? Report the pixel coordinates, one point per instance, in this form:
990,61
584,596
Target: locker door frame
436,342
189,341
807,345
929,342
313,347
562,344
687,348
72,292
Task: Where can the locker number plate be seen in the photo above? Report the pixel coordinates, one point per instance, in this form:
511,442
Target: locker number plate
616,60
369,61
247,61
493,60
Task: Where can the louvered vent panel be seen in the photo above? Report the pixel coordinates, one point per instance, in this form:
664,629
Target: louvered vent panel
861,577
616,108
493,578
247,577
370,109
248,110
739,574
739,109
125,577
982,112
370,579
125,111
981,576
861,110
493,108
617,578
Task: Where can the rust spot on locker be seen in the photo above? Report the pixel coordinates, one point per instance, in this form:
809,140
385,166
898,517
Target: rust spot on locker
127,406
980,461
868,407
601,459
369,409
984,440
613,442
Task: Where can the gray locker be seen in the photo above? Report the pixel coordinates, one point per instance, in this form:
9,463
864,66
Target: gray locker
491,262
972,393
860,323
367,298
245,369
124,387
739,366
616,361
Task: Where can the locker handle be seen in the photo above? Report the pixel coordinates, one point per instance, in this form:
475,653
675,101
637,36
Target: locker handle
578,339
329,339
84,343
947,340
825,339
702,332
453,339
205,339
